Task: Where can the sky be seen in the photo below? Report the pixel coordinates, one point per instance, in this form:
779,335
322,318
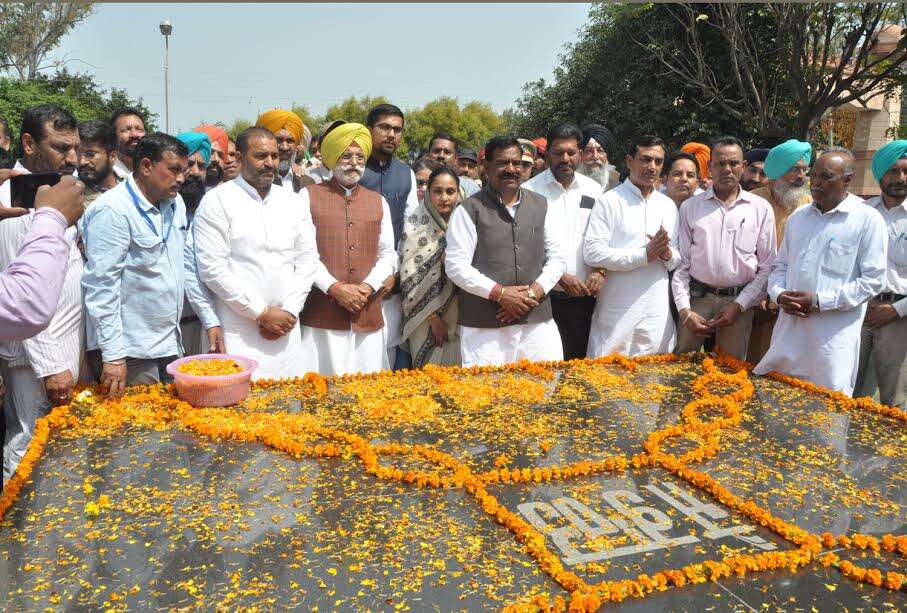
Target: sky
230,61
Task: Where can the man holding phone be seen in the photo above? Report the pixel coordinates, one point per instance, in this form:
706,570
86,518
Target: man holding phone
40,372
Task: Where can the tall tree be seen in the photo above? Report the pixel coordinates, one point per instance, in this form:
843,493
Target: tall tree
815,56
472,125
30,30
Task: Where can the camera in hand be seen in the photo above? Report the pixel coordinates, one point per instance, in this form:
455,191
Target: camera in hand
24,187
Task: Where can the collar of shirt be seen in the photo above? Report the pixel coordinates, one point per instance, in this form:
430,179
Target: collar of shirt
21,168
552,182
742,196
143,201
876,202
845,206
512,207
636,191
377,165
253,193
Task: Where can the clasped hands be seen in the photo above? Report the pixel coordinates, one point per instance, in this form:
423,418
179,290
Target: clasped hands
659,247
798,304
274,322
700,326
517,300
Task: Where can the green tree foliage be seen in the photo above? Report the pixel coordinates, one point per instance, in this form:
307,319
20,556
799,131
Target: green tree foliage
30,30
472,125
76,92
352,109
234,129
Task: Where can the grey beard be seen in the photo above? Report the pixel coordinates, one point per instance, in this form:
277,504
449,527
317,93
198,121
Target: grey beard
599,173
283,167
790,197
345,177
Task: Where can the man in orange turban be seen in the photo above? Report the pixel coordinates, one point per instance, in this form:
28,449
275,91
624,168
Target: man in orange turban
703,155
219,144
289,130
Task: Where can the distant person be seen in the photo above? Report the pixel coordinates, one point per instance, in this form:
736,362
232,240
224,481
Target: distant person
884,335
831,263
703,155
541,159
199,146
754,175
231,168
6,157
421,171
504,252
468,164
129,126
288,128
443,148
527,162
220,143
97,155
597,143
680,177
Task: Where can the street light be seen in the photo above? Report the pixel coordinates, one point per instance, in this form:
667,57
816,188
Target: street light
166,30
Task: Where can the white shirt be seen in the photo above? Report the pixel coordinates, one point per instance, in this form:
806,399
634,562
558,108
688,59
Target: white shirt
896,275
572,210
632,313
253,252
462,239
385,265
120,169
59,346
841,256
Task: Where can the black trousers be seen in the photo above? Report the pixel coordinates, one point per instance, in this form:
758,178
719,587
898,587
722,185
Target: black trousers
573,317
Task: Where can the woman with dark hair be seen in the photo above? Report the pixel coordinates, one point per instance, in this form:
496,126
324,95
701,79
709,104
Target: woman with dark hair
430,301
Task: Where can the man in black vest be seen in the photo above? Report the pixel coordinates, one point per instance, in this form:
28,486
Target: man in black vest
394,180
504,251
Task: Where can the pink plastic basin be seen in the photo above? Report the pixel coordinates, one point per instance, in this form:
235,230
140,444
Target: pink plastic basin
213,391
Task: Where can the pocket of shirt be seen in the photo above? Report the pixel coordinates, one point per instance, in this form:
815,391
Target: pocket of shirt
897,250
745,239
838,259
145,250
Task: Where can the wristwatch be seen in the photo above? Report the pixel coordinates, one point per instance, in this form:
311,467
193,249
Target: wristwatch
815,304
531,293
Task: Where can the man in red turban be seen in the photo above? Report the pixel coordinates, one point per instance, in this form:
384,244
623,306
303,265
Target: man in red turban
219,144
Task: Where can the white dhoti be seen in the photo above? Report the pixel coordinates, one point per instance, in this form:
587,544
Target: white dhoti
497,346
341,352
277,359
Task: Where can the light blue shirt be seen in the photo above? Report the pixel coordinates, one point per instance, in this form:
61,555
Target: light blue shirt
133,278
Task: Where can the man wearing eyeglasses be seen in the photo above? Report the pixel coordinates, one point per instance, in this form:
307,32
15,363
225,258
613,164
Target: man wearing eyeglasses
831,262
394,180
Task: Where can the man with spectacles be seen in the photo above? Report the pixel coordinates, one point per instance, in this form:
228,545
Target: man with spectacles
396,182
343,325
831,262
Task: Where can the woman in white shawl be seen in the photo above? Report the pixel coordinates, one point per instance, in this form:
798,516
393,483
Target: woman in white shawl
429,298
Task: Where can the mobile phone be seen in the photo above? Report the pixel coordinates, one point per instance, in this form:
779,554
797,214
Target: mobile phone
24,187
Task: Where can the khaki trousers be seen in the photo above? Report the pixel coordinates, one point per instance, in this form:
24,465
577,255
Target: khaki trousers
884,350
732,339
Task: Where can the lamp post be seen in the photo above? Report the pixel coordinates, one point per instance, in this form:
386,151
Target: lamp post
166,30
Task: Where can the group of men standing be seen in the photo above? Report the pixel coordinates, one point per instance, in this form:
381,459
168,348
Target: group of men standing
195,242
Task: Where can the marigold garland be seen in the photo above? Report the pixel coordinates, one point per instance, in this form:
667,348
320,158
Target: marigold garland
295,434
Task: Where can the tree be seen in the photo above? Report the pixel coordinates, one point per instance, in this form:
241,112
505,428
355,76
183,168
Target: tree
236,128
30,30
604,77
76,92
472,125
807,58
353,109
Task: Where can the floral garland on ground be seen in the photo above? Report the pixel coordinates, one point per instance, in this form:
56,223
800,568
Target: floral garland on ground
295,434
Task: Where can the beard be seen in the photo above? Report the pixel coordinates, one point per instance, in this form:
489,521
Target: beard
598,172
192,191
349,175
213,174
790,197
283,167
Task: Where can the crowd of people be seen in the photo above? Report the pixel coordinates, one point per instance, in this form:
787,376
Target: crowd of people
327,253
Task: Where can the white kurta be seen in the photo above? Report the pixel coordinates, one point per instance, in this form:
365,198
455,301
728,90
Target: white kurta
495,346
632,314
340,352
841,256
253,253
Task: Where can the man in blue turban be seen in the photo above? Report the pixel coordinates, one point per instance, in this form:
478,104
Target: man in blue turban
786,167
193,189
883,345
